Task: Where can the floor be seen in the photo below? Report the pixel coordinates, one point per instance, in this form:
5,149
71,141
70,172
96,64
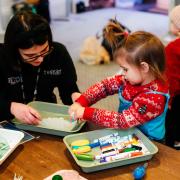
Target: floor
79,26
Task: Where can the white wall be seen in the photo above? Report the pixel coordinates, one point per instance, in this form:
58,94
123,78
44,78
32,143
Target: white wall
59,8
5,13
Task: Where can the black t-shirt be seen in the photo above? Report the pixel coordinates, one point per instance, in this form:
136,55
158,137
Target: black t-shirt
57,70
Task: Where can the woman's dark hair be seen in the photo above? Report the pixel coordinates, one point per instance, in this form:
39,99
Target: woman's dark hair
24,30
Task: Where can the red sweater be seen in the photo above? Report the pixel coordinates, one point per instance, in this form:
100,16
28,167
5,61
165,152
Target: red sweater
173,67
130,117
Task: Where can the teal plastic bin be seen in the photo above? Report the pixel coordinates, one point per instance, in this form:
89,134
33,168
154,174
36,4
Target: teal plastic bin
92,166
50,110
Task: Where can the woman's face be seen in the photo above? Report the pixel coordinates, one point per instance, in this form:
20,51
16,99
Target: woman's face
35,55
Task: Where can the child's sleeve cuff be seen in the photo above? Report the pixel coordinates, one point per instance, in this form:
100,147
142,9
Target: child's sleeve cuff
88,113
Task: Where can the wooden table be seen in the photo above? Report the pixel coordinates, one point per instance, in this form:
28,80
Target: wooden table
38,159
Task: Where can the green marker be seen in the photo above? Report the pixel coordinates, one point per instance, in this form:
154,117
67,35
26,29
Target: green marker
85,157
129,149
57,177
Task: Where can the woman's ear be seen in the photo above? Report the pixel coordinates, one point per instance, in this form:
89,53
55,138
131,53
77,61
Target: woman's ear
145,67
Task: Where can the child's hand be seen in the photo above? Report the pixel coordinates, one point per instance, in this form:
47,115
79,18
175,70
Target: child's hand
25,113
75,96
76,111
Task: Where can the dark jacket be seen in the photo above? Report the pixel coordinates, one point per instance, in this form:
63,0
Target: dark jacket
57,70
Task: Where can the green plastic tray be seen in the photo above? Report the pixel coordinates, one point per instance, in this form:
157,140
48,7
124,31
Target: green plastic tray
92,166
49,110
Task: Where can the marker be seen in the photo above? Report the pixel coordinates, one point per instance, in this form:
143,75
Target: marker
98,157
112,140
95,144
130,137
92,145
105,145
137,147
85,157
116,157
135,136
82,150
108,136
138,153
121,156
79,143
108,150
129,149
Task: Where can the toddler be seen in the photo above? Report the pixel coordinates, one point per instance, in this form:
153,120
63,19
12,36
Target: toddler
142,89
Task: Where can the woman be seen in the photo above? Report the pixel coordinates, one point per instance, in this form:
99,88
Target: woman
31,66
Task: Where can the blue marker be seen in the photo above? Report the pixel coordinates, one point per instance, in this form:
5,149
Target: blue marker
94,144
108,136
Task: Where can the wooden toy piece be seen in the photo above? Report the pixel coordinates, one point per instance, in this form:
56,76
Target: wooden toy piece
82,150
82,142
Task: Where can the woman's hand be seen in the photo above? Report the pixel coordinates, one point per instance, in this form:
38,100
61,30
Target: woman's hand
25,113
75,96
76,111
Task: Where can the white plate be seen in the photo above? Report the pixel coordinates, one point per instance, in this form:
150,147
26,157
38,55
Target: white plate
13,139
